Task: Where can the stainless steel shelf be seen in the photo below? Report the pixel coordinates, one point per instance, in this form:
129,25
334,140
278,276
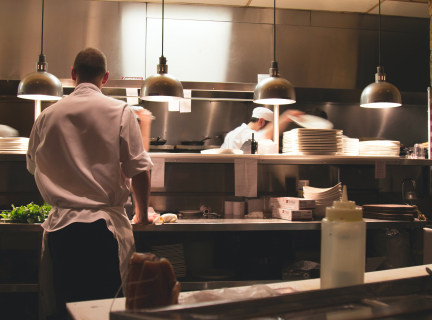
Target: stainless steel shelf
289,159
215,225
267,159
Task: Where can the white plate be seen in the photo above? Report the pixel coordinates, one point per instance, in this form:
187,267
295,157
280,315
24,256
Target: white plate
312,135
317,153
321,196
319,190
317,143
321,136
311,122
315,131
222,151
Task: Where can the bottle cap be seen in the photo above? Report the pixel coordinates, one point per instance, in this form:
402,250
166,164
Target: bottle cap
344,209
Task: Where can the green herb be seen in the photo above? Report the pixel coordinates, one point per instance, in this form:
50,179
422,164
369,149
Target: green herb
30,213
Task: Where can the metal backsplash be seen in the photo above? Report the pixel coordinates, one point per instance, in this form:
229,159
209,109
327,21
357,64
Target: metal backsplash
407,124
226,44
216,44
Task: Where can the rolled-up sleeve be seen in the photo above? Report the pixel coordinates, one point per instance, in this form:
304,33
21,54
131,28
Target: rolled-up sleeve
133,158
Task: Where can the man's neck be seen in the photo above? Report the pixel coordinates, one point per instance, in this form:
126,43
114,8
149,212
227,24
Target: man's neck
99,85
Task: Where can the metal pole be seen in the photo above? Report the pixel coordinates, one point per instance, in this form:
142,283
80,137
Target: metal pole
37,109
429,131
276,125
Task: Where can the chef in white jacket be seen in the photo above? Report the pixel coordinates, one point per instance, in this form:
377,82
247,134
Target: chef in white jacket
83,151
260,124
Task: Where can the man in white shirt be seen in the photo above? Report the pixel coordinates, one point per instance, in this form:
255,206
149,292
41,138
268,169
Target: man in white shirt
83,151
261,125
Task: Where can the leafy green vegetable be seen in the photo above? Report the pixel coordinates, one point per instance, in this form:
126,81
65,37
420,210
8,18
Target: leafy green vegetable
30,213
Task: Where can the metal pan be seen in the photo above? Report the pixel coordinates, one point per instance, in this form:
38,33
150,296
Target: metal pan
195,143
157,141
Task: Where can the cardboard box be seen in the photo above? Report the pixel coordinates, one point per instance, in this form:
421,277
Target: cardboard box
292,203
292,215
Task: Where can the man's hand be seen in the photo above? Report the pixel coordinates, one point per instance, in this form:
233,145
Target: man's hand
151,216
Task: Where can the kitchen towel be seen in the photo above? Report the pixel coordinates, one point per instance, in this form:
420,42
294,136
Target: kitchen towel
246,177
239,210
229,208
158,173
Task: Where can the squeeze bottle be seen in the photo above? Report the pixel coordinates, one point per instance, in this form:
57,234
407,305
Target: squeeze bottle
343,245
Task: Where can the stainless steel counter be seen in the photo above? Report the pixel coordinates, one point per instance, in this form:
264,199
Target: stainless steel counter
267,159
214,225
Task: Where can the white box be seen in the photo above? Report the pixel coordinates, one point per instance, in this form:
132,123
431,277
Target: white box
293,215
292,203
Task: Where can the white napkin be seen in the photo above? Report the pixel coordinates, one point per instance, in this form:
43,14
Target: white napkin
255,215
165,218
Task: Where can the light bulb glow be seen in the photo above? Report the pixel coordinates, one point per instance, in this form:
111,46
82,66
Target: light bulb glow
381,105
38,97
275,101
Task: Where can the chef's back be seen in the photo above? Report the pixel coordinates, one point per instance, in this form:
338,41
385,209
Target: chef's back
83,148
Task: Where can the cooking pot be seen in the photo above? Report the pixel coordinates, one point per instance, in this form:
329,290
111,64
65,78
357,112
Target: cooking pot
195,143
157,141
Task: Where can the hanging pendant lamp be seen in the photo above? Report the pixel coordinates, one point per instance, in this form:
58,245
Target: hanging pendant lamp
40,85
274,90
161,87
380,94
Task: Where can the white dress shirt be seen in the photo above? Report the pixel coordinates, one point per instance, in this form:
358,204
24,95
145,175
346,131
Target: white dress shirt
82,151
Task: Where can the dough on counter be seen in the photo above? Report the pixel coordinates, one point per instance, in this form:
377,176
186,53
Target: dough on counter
151,282
165,218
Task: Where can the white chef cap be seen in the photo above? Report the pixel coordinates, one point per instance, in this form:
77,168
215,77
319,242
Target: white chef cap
261,112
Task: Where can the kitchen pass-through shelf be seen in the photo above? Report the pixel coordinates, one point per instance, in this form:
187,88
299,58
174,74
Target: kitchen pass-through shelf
268,159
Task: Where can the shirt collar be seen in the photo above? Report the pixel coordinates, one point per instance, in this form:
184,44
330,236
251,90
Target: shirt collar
86,87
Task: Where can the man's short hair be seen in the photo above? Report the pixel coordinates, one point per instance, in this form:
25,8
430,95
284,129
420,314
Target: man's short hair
90,65
253,119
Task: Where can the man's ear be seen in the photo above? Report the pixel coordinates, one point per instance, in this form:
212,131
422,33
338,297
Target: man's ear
105,78
73,74
261,122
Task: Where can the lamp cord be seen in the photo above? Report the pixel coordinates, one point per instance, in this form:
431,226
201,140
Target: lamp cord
274,31
163,6
42,27
379,33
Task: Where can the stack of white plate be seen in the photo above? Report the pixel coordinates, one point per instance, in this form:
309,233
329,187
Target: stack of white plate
175,255
287,142
350,146
14,145
379,148
316,141
323,197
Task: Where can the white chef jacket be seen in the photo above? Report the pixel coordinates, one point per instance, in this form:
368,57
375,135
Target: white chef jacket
82,151
235,138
